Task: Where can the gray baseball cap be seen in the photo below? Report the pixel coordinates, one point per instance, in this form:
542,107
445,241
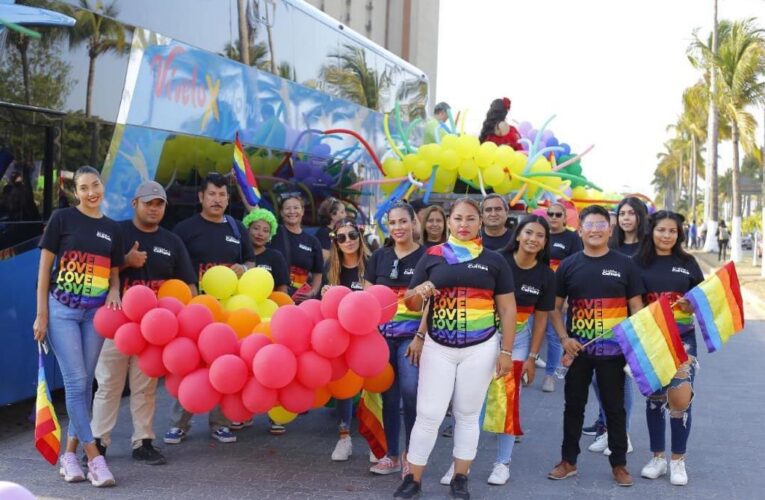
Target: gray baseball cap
150,190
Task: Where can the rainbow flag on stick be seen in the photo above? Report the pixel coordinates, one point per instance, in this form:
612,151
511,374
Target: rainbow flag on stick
718,306
369,414
502,413
47,429
651,344
244,175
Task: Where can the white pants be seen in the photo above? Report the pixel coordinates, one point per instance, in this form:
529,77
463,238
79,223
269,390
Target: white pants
111,372
459,375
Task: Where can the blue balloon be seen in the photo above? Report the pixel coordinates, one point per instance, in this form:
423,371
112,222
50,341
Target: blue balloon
566,149
552,141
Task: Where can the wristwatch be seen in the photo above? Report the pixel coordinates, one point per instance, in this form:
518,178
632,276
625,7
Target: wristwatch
534,356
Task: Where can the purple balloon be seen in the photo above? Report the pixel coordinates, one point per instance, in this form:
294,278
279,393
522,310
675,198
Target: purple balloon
532,135
321,149
552,141
524,128
547,135
301,168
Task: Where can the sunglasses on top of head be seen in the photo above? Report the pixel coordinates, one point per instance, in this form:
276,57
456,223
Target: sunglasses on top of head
352,236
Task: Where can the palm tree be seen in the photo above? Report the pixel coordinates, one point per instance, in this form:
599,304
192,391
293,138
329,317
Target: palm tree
692,122
353,79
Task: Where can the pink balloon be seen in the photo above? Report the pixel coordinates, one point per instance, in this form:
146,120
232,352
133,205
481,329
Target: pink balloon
137,301
216,340
359,312
368,354
250,345
106,321
172,383
129,340
313,370
228,374
296,398
181,356
291,326
274,366
313,308
196,393
388,300
159,326
233,409
192,320
172,304
331,300
329,338
339,368
150,361
258,398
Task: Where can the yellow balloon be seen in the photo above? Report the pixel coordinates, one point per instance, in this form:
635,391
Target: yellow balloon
468,169
504,187
429,153
258,283
494,175
393,168
220,282
240,301
409,162
504,154
579,193
518,162
449,160
467,146
422,170
449,141
267,308
280,416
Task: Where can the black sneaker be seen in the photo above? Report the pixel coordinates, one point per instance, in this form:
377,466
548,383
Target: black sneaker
593,430
409,488
459,487
101,450
148,454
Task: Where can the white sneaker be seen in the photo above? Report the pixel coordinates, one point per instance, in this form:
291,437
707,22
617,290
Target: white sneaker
446,479
548,384
372,458
99,474
677,474
343,449
654,469
385,466
607,452
499,474
600,444
70,468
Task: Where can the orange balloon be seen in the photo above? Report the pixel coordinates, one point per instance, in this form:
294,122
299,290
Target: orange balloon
322,397
263,327
380,382
243,321
281,299
212,304
347,386
175,288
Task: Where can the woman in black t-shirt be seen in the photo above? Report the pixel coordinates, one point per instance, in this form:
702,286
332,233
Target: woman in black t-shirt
262,226
667,270
433,226
330,211
79,272
631,226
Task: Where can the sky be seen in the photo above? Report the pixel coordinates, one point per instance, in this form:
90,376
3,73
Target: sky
612,72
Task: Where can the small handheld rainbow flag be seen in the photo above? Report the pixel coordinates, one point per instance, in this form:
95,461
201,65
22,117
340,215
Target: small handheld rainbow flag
502,412
47,429
651,344
244,175
718,306
369,414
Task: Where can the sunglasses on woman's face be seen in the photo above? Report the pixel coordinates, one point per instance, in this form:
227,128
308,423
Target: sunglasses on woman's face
353,236
555,215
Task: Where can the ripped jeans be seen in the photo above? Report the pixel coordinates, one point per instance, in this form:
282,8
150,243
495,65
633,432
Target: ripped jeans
679,418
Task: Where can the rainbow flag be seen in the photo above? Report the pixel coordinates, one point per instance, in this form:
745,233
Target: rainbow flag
455,251
243,173
47,429
503,402
651,344
718,306
369,414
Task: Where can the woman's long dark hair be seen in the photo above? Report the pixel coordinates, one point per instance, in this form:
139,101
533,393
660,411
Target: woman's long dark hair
544,255
617,237
647,251
496,114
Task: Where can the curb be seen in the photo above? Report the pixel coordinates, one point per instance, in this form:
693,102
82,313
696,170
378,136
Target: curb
751,298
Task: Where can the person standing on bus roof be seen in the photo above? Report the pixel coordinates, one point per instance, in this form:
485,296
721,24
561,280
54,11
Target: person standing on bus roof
153,255
433,129
81,251
494,213
212,239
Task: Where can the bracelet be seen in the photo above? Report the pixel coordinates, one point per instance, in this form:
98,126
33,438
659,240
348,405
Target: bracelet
506,353
534,356
420,335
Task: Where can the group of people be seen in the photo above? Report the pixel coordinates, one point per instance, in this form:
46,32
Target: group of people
475,296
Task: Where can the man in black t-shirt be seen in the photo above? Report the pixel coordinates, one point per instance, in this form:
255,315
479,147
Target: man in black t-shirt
494,212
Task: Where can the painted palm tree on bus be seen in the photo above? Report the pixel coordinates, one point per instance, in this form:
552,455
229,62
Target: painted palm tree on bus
352,79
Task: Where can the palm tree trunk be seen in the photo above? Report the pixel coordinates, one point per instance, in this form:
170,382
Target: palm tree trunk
711,206
735,250
244,33
693,178
762,208
23,46
89,91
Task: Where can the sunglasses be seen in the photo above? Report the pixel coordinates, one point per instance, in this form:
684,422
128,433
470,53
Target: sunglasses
352,236
555,215
600,225
394,270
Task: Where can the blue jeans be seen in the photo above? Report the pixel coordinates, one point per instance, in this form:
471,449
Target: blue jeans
554,348
506,442
404,388
77,346
628,401
344,408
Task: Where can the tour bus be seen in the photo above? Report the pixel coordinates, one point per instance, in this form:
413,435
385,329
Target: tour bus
147,89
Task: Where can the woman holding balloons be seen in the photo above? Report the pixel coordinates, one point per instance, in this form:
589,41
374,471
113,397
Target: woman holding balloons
262,226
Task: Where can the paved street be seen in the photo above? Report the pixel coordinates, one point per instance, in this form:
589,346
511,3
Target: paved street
723,460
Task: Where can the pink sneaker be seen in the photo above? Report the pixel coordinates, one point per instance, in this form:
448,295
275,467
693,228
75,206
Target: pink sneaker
99,474
70,468
385,466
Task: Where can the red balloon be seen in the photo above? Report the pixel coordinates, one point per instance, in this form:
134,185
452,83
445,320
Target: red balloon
137,301
331,300
216,340
129,340
250,345
192,320
296,397
388,300
368,354
329,338
233,409
257,398
228,374
274,366
313,308
196,393
359,312
181,356
106,321
150,362
172,304
172,382
313,370
159,326
291,326
339,368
